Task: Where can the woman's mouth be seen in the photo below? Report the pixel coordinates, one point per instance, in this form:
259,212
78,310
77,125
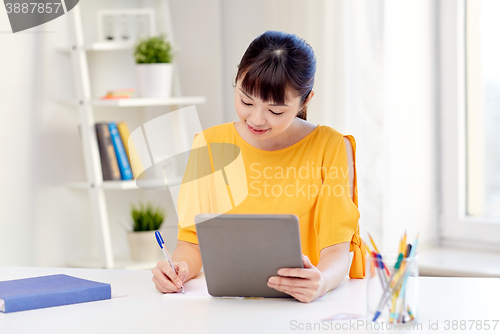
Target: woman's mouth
255,131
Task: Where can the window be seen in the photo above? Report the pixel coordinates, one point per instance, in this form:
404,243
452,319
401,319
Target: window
483,108
469,159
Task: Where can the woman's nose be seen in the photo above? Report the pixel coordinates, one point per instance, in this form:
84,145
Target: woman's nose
257,118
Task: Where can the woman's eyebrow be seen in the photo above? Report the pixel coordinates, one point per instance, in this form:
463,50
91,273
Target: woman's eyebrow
271,104
246,94
278,104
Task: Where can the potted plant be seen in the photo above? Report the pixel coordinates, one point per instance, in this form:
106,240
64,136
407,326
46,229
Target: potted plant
142,241
154,68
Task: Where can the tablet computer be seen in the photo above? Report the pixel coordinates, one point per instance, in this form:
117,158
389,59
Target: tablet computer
240,252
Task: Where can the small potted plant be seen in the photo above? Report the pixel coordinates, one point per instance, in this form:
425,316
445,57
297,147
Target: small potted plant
153,57
142,241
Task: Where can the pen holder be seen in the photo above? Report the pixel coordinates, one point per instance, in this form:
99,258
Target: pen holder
392,293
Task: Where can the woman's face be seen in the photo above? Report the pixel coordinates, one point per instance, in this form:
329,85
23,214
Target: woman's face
264,120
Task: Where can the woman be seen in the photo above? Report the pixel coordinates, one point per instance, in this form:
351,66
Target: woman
292,167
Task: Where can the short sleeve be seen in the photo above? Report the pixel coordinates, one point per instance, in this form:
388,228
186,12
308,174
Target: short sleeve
214,178
337,216
193,198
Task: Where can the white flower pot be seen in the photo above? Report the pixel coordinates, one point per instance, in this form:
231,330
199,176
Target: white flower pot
143,246
155,80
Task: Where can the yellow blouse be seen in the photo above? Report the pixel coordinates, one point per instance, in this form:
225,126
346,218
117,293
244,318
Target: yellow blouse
310,179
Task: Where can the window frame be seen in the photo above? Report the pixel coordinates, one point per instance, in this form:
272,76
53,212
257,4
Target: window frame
456,227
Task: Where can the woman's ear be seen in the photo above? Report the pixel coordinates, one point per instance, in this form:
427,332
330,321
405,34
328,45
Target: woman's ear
309,97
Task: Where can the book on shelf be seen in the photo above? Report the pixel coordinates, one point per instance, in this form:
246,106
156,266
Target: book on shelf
130,149
121,155
109,162
119,94
47,291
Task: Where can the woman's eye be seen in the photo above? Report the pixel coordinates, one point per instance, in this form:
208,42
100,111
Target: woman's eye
247,104
276,113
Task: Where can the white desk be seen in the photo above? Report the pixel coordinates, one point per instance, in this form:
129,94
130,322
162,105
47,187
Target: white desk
145,310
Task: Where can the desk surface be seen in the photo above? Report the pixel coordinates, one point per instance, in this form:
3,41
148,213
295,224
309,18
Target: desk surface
136,307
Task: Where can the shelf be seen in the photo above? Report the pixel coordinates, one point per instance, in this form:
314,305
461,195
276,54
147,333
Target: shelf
458,262
119,264
146,102
142,102
103,46
158,184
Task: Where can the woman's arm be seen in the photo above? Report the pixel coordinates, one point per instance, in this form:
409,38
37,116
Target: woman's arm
311,282
333,264
187,262
189,253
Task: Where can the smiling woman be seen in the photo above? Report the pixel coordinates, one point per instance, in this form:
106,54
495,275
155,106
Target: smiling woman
273,86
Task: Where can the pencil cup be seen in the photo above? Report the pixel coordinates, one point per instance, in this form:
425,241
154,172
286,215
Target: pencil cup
392,288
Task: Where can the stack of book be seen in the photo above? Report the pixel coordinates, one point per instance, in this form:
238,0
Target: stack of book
114,151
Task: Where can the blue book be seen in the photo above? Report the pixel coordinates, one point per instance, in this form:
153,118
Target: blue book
121,155
46,291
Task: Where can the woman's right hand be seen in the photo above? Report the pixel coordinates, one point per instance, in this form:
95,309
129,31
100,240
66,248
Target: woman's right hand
166,279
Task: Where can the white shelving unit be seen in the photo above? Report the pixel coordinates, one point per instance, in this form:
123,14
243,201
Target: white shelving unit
142,102
85,105
159,184
102,47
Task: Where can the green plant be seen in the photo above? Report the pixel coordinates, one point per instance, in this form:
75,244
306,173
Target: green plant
153,50
146,217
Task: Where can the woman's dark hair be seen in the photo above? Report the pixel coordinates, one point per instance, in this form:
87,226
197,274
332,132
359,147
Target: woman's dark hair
276,63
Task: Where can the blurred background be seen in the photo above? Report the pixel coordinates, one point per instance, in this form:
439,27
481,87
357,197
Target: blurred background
416,82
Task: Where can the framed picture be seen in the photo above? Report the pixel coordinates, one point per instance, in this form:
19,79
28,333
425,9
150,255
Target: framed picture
125,25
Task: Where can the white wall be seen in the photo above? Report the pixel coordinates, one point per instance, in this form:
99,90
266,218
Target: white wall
410,114
197,29
40,151
16,131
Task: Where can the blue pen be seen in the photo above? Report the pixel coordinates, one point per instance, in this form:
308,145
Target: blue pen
165,251
380,265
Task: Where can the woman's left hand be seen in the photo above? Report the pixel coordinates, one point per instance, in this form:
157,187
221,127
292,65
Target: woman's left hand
304,284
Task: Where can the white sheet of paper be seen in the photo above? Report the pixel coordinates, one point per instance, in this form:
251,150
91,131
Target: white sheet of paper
195,288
